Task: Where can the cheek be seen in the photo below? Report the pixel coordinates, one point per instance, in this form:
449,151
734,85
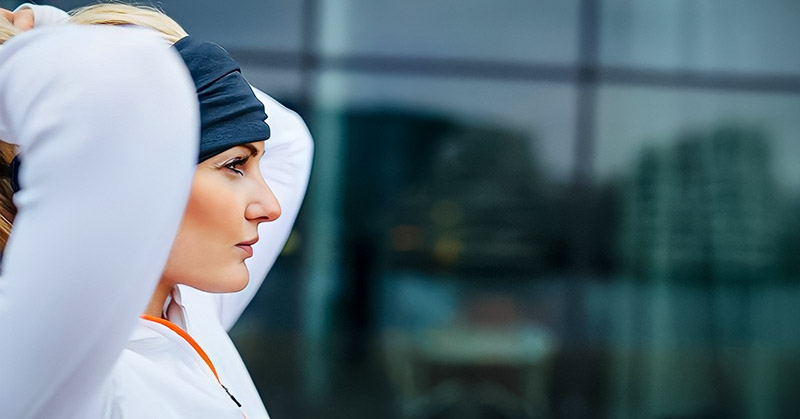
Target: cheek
212,213
203,255
214,210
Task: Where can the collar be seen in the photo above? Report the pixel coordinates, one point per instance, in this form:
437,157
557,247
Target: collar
174,310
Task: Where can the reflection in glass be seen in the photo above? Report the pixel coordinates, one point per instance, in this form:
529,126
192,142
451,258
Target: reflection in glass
532,31
448,201
283,85
542,112
705,252
249,24
711,35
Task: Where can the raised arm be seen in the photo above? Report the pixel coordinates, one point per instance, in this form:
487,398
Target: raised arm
108,136
286,167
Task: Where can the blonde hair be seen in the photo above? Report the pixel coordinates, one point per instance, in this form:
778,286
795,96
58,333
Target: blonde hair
114,14
96,14
126,14
7,152
7,30
7,208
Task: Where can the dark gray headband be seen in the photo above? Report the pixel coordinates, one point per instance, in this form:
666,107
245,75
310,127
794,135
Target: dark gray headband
230,113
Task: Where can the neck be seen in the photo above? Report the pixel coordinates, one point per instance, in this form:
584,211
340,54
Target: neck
156,304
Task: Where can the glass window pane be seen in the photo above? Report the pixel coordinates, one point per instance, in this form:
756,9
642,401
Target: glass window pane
631,120
283,85
256,24
450,173
718,35
519,30
704,189
542,111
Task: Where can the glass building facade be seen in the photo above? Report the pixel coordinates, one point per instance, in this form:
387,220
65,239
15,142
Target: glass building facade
529,209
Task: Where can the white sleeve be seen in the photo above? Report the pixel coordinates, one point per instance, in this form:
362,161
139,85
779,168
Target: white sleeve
286,167
45,15
108,135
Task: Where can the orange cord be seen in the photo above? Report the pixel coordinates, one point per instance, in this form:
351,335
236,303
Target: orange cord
185,336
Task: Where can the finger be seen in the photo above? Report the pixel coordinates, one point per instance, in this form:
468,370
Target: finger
23,19
7,15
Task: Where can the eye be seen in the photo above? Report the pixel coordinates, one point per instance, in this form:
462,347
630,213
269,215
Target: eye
235,164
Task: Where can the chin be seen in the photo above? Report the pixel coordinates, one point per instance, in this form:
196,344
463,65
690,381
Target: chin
240,285
229,285
236,281
233,280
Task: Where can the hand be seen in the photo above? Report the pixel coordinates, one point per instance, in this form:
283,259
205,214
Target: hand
22,19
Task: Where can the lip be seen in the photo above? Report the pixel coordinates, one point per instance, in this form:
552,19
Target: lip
248,242
247,249
247,246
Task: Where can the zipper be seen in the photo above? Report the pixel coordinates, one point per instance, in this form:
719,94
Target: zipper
182,333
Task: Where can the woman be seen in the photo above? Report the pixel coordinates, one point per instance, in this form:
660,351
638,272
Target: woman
178,361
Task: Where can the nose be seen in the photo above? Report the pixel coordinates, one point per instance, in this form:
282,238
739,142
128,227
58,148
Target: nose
264,207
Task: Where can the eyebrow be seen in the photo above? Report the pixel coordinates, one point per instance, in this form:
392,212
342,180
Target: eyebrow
253,150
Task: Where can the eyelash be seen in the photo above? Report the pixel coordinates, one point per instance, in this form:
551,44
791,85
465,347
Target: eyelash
233,164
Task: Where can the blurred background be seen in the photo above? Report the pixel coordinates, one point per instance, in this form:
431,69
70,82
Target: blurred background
529,209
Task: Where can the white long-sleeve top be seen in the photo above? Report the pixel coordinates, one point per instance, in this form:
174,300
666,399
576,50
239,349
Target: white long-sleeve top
72,343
